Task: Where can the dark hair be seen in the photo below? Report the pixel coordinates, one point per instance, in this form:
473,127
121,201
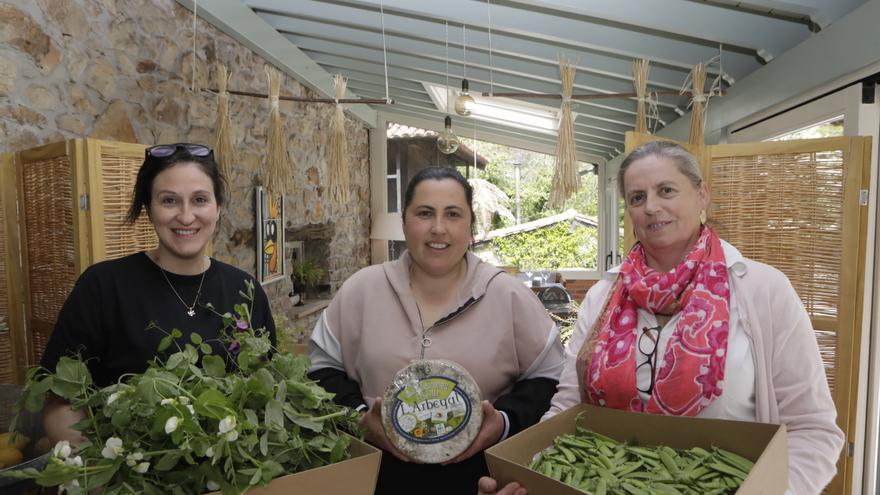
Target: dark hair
153,166
683,159
439,173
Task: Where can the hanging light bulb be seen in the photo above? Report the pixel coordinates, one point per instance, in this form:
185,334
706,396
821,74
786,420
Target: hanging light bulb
464,104
448,142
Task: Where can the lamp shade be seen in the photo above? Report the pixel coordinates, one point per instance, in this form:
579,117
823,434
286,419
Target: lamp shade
387,226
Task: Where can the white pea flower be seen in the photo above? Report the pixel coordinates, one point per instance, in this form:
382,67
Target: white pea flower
227,424
61,449
165,402
113,397
209,452
69,486
213,486
112,448
142,467
183,400
232,436
132,459
192,410
74,461
171,424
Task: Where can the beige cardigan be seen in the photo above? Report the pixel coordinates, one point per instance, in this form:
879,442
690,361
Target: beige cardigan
790,382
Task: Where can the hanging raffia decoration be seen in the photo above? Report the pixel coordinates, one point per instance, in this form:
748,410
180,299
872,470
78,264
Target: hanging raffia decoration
640,83
223,149
337,176
566,180
279,174
698,81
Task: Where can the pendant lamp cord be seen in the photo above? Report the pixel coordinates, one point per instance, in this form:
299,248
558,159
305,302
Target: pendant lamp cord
489,11
447,66
384,51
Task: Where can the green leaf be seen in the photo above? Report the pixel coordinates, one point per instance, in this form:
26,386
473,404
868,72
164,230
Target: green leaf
274,415
176,333
168,461
54,474
175,361
100,477
146,390
214,366
212,404
271,470
305,421
267,381
205,348
121,418
264,444
340,449
252,418
281,391
165,343
36,396
258,475
71,377
195,338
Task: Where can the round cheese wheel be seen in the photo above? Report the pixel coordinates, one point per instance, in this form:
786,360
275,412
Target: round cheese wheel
431,410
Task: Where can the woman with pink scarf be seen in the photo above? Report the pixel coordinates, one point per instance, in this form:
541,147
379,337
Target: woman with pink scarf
688,326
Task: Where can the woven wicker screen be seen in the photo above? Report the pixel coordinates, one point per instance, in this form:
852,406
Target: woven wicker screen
48,218
786,210
6,366
118,174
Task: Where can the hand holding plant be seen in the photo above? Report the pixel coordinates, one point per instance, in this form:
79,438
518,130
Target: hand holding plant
191,423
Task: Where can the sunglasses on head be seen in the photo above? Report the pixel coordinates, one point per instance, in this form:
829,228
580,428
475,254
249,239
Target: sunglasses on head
166,150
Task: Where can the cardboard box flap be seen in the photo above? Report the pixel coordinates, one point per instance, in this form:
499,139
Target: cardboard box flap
355,476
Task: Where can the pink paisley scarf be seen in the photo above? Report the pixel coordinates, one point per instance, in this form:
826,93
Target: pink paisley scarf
691,373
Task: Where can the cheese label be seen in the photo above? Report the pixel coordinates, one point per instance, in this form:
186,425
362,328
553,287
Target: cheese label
430,410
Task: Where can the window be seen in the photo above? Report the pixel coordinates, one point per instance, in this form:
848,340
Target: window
829,128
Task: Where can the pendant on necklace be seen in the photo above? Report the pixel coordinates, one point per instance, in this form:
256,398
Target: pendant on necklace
191,312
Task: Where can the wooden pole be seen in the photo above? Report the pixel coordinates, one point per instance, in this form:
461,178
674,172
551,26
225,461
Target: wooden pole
371,101
603,96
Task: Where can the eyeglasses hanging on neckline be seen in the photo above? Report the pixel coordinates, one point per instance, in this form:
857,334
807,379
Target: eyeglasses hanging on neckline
647,344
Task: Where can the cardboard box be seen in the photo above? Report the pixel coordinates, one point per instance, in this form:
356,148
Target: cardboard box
355,476
765,444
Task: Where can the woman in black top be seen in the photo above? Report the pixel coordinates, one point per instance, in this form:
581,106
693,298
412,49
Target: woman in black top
106,317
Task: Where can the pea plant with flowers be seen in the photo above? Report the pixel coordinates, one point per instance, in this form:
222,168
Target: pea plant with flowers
192,423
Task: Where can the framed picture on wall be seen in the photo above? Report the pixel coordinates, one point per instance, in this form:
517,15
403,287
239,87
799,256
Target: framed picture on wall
271,265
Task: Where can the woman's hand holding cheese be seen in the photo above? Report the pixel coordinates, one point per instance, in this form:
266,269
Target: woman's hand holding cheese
489,435
372,422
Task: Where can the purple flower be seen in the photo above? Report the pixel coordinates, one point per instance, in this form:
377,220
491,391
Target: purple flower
234,347
241,325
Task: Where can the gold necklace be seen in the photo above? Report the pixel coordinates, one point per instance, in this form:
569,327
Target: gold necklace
190,308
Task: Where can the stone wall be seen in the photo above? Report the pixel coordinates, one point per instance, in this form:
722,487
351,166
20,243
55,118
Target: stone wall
121,70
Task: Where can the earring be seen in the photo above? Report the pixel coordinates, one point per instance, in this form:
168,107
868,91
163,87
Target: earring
703,217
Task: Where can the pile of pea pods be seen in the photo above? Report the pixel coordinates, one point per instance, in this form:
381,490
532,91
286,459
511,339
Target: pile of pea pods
599,465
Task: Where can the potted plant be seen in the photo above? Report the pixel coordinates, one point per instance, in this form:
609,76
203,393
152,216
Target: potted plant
305,276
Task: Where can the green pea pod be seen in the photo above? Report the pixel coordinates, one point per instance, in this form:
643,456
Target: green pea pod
669,462
633,490
726,469
569,455
735,460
